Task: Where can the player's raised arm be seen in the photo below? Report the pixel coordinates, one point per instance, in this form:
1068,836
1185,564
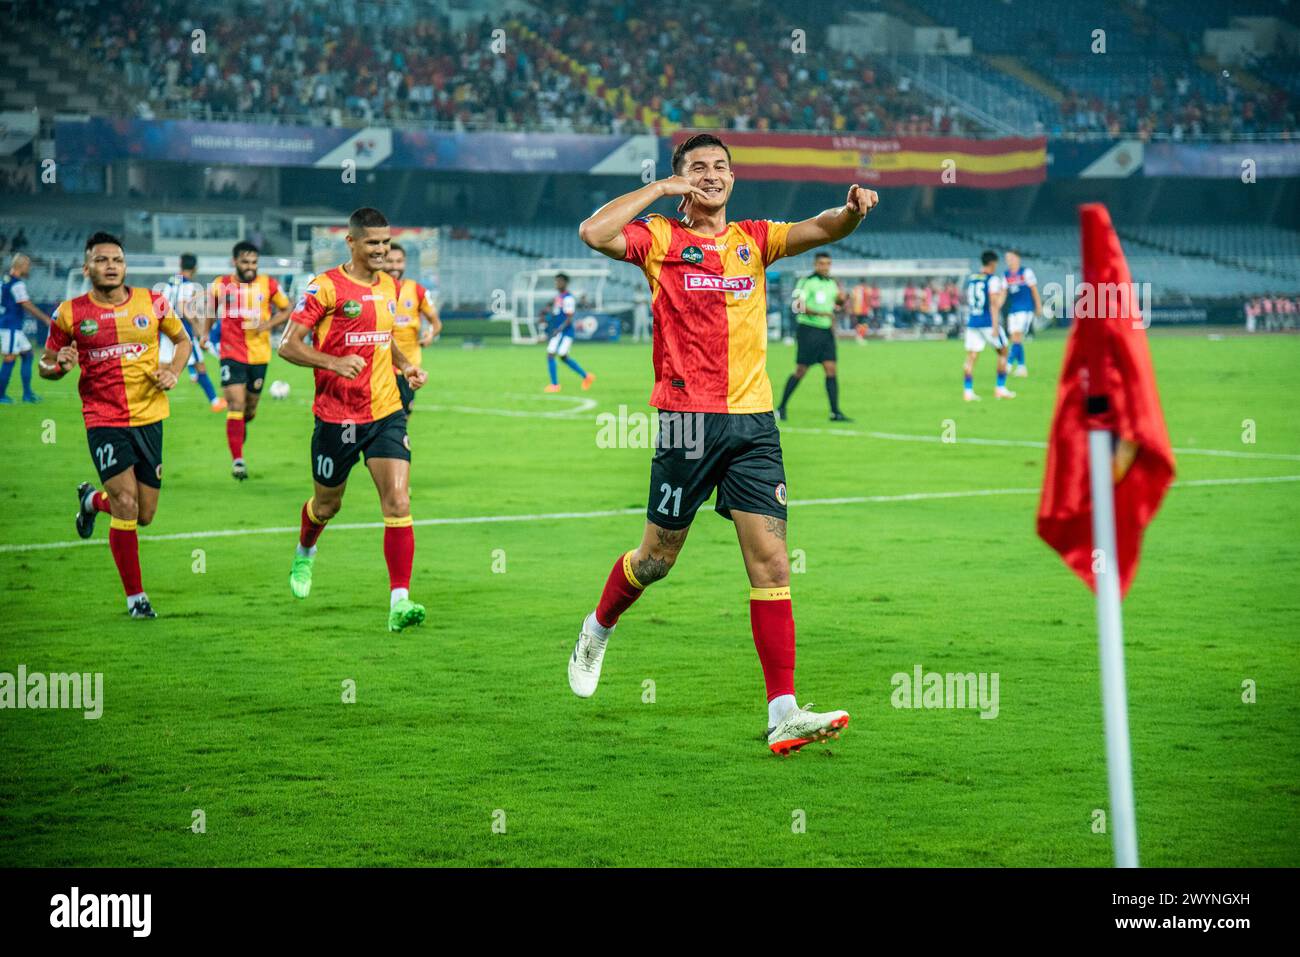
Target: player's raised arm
831,224
603,229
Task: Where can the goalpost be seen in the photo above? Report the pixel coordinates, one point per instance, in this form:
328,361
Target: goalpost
531,287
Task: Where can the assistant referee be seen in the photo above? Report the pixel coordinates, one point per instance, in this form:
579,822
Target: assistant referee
816,297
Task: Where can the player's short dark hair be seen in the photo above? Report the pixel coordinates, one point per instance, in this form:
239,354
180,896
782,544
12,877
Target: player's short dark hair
367,217
562,275
1013,249
695,142
244,246
189,261
822,255
103,239
397,247
988,256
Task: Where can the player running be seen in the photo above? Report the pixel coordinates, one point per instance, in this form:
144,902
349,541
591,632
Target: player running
413,304
348,315
707,280
185,296
15,306
242,302
560,329
985,293
1024,305
816,297
112,332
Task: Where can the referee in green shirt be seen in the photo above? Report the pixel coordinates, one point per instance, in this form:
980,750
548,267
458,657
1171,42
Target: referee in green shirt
816,298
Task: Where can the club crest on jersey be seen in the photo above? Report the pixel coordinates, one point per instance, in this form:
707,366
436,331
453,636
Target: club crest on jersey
780,493
142,322
743,252
88,327
352,309
693,254
392,306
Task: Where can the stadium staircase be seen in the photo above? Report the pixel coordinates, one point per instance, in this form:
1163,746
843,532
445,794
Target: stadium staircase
38,70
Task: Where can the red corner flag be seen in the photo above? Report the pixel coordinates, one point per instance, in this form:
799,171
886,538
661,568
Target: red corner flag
1107,383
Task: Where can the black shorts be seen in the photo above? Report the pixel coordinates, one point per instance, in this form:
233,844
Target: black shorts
336,446
815,345
250,376
406,392
114,449
696,452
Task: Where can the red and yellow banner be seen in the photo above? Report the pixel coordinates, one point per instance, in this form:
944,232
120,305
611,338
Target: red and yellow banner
887,161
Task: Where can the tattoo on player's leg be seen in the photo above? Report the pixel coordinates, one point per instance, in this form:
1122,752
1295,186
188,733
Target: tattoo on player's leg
671,538
649,570
775,525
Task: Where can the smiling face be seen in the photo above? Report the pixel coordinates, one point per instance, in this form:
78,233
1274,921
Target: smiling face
708,169
105,267
370,247
395,263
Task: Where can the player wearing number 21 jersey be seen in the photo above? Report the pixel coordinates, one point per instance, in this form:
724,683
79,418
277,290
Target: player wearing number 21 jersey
348,314
717,430
112,332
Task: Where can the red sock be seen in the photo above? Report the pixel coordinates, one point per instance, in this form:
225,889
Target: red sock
124,545
621,589
99,502
235,434
771,616
399,550
311,527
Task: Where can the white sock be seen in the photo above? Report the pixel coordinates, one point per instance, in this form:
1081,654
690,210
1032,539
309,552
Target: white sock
399,594
306,552
779,707
132,599
596,628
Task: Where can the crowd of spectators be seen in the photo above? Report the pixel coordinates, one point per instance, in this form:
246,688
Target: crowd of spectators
1271,313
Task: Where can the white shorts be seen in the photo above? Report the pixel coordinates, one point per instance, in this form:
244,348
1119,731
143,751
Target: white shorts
1020,321
167,349
14,341
559,344
977,338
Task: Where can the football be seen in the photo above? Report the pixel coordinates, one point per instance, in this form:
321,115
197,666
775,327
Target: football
279,390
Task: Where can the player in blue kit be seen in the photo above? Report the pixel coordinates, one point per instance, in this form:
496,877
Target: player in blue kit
186,298
559,329
1023,306
15,307
985,294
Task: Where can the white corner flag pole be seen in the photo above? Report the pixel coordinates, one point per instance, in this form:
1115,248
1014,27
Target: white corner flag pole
1110,631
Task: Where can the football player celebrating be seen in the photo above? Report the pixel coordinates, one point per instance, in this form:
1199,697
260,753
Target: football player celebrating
112,332
413,304
985,293
242,302
710,331
347,313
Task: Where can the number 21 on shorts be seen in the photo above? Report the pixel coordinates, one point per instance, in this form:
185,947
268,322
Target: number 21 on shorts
670,493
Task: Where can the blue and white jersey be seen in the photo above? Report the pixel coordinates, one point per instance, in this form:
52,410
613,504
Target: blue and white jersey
186,299
562,309
13,292
1020,293
980,287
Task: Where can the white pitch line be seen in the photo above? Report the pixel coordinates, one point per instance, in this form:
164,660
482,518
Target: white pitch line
609,513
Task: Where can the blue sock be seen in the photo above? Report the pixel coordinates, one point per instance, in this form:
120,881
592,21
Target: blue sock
6,371
550,365
206,385
1002,380
574,366
969,383
27,373
1018,350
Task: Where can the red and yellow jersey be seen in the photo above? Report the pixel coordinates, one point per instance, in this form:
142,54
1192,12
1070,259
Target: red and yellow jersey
708,295
241,306
411,297
117,348
348,318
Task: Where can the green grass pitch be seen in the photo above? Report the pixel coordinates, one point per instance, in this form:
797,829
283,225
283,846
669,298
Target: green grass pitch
231,702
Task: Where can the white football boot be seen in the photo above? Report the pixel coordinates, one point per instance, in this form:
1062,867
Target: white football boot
584,663
970,396
1021,372
802,726
1004,393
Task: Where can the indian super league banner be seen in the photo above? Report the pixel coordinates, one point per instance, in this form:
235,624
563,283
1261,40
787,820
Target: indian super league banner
886,161
329,248
97,139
